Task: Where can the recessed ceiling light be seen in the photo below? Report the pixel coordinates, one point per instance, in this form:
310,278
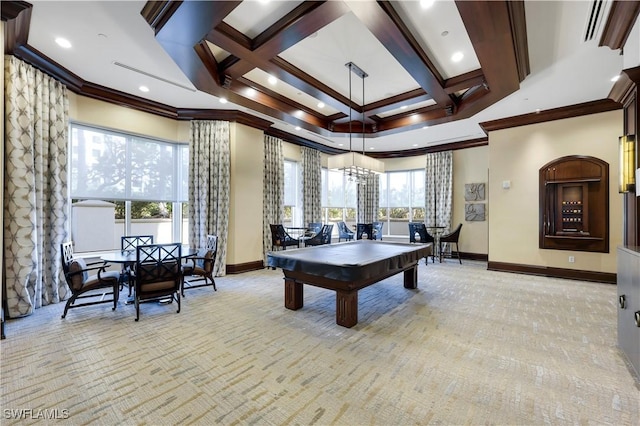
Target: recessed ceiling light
426,4
63,42
371,149
425,127
320,104
297,127
340,144
457,57
616,78
251,92
415,144
403,107
537,110
143,89
223,100
444,33
101,35
272,80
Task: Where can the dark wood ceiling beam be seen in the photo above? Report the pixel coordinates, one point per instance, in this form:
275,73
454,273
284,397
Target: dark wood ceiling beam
464,81
622,17
385,24
280,69
185,29
410,97
294,27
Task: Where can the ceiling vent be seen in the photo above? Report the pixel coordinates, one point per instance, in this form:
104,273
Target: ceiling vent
596,14
148,74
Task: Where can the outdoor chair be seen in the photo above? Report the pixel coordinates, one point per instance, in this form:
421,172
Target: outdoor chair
158,274
364,228
418,234
344,232
450,238
84,286
281,238
129,243
199,268
322,237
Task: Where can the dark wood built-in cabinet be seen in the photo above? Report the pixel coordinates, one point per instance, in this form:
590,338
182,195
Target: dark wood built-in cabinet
574,204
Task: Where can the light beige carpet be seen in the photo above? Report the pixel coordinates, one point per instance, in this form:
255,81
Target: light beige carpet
470,346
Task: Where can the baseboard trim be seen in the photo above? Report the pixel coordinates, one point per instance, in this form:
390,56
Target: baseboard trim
474,256
245,267
545,271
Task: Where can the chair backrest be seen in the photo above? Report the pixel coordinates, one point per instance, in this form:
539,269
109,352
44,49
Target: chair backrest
420,229
315,227
364,228
158,269
67,253
377,230
343,230
453,236
278,234
208,253
74,269
130,242
212,242
326,234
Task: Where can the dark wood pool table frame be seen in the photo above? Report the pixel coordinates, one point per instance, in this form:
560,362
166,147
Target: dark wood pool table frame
346,268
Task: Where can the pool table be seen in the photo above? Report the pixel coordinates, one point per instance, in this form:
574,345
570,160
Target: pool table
346,268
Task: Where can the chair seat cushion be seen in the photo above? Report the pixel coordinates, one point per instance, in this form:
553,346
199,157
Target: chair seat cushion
107,279
159,286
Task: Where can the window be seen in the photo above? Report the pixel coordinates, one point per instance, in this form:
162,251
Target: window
401,200
339,200
144,180
291,184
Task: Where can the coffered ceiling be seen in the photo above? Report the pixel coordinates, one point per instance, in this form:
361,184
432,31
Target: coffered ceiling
282,63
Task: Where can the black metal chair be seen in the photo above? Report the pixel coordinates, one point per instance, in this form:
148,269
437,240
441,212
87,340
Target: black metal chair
450,238
83,285
281,238
364,228
158,273
344,232
129,243
377,231
200,267
322,237
418,234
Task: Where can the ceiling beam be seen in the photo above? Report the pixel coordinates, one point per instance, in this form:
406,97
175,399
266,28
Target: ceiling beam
385,24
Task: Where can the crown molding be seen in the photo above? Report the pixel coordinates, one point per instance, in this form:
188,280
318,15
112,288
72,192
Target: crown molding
571,111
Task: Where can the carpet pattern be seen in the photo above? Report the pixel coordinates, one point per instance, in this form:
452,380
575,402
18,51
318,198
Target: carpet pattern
469,346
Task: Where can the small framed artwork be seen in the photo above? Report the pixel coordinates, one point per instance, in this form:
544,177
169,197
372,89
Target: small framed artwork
474,192
474,212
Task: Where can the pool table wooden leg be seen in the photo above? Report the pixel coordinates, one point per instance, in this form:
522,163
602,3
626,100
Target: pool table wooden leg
292,294
347,308
411,277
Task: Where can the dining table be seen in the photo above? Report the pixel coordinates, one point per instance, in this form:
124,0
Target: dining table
301,233
127,258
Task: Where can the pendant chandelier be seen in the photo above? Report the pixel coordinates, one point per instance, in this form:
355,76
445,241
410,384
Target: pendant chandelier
357,167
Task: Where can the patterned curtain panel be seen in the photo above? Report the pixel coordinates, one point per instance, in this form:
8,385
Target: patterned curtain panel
209,187
35,197
369,199
438,188
311,185
273,190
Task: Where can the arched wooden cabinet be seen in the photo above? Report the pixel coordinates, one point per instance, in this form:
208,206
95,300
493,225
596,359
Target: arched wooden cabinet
574,204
